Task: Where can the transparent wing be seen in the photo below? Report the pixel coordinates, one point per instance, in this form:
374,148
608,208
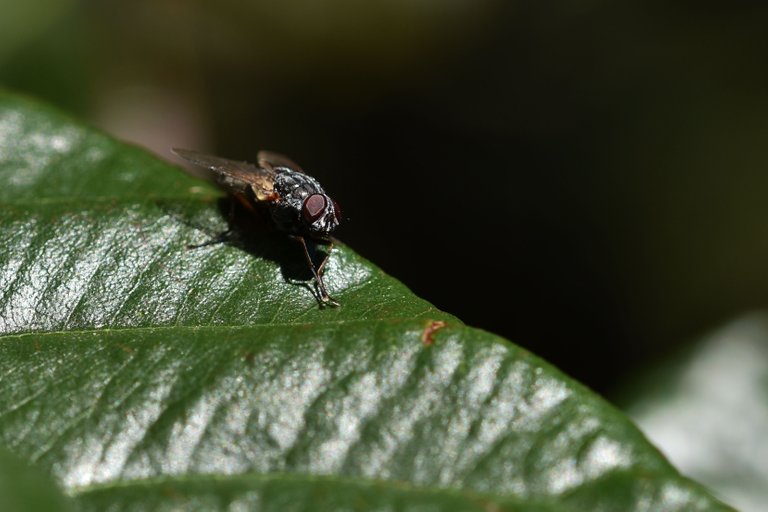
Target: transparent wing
270,160
231,174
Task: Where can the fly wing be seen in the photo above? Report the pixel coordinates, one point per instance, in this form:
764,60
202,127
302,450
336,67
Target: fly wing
270,160
234,176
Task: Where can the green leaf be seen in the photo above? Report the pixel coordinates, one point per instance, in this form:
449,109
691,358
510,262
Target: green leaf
25,489
144,375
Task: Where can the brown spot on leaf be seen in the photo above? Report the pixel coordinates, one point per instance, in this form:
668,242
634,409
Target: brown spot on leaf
247,356
427,335
125,348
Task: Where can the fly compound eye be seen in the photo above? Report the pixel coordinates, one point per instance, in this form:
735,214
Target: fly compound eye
313,208
336,210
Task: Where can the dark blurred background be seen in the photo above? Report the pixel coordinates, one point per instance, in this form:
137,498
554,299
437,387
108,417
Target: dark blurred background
587,179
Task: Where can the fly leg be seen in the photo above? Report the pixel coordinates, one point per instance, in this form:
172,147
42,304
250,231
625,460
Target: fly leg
325,298
325,260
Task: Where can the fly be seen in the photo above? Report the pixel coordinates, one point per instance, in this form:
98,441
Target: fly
296,202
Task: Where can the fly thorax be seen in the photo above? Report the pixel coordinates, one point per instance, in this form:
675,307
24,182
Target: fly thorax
294,187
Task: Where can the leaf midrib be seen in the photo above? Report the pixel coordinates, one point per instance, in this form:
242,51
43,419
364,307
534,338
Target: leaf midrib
85,202
165,328
248,477
359,482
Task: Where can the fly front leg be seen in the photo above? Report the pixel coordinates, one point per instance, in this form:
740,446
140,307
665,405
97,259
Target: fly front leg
321,268
325,298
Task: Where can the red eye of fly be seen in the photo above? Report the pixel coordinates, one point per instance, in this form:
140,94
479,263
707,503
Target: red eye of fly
313,207
336,209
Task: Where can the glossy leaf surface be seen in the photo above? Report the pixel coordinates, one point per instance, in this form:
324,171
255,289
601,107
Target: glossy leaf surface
145,375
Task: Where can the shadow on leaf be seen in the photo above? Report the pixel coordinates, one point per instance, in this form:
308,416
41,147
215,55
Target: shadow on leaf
254,233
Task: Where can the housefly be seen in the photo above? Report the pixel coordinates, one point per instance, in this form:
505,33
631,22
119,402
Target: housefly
295,201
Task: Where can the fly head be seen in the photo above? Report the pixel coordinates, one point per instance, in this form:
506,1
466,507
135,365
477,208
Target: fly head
320,215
